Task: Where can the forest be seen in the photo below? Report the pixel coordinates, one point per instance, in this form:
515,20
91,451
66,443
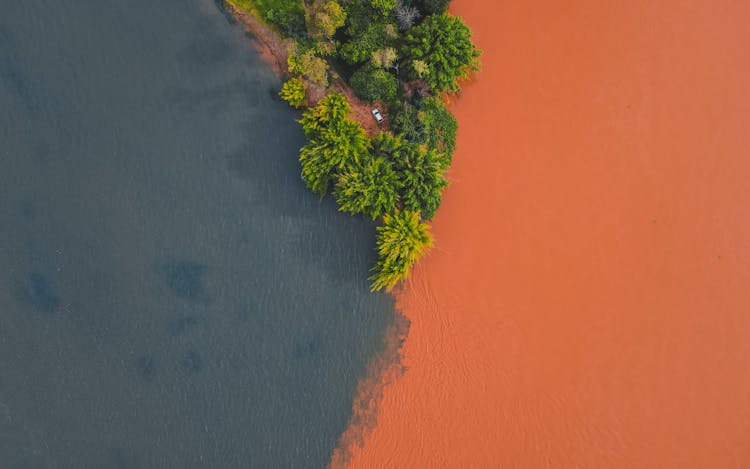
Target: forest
404,57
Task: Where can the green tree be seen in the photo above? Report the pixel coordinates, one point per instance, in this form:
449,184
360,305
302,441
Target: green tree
369,188
422,175
309,65
293,92
431,124
431,7
389,146
372,83
323,18
419,68
362,43
384,6
401,241
440,127
384,58
443,43
287,15
330,111
334,142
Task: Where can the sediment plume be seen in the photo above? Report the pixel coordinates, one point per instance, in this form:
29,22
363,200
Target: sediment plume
384,369
586,302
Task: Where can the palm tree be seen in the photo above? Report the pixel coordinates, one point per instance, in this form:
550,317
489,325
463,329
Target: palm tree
334,142
370,188
422,176
402,240
331,109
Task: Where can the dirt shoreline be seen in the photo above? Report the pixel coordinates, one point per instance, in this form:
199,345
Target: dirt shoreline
275,51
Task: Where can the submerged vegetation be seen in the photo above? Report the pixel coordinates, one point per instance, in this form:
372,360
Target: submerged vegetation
403,56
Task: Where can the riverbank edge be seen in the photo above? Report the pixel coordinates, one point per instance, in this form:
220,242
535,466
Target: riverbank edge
274,50
386,365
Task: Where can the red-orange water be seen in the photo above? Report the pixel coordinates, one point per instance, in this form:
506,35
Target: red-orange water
588,301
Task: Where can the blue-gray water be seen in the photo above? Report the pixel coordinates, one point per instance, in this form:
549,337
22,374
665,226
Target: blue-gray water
171,296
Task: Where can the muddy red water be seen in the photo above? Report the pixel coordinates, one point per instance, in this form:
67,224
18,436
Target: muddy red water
587,304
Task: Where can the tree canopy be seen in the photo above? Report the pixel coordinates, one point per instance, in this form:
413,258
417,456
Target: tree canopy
431,7
308,64
401,241
323,18
372,83
422,177
431,123
293,92
334,142
443,43
369,188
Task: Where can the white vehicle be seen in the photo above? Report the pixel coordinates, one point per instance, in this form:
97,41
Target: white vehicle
377,116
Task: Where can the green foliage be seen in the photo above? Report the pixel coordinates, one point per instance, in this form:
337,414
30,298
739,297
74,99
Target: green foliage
330,111
440,126
370,188
293,92
431,7
307,63
422,175
334,143
384,6
373,84
432,124
368,29
384,58
388,146
361,45
323,18
407,124
402,240
287,15
443,43
419,68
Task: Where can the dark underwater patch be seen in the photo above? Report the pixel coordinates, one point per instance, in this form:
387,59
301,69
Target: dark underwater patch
185,279
145,366
117,458
308,347
39,294
192,362
180,323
